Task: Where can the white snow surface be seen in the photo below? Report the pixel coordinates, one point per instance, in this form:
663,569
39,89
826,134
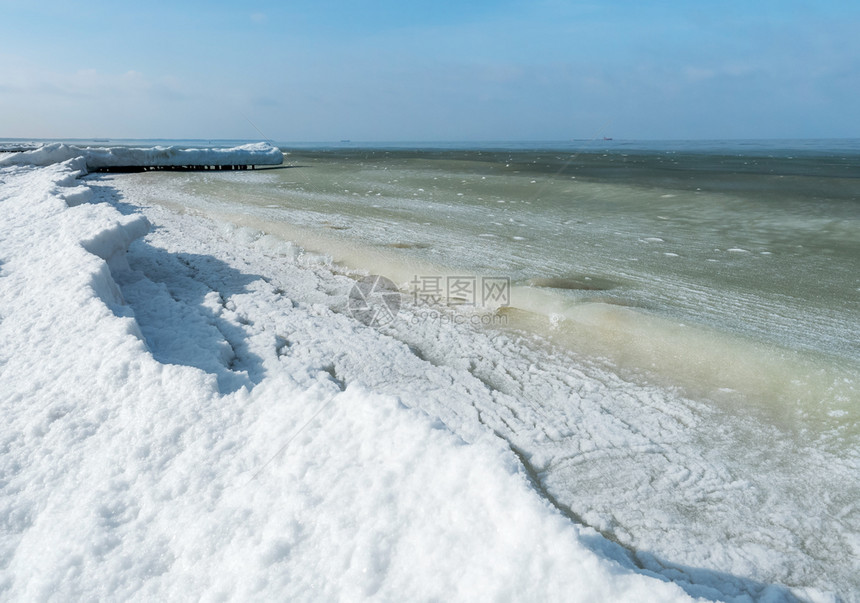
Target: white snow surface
259,153
171,431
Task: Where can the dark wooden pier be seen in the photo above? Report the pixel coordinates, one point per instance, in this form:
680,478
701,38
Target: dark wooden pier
171,168
155,159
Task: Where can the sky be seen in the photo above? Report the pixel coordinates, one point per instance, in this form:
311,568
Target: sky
402,70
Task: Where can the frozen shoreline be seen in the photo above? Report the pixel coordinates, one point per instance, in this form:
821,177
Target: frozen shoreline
705,492
257,473
243,345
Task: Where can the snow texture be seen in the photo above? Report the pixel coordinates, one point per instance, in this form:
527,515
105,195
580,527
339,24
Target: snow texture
170,432
96,158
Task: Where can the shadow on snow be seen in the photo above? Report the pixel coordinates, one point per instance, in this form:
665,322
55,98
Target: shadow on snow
184,305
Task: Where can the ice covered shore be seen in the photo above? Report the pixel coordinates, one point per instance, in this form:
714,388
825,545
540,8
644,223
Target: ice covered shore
166,437
97,158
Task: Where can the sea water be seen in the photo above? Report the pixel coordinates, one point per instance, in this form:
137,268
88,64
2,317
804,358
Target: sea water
727,270
724,273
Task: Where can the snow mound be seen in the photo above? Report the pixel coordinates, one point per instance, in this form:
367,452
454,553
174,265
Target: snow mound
96,158
125,477
44,155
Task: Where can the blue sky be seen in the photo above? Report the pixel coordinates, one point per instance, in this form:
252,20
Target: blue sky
376,70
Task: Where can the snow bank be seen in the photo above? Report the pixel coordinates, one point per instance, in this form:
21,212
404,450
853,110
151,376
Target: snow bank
127,477
111,157
44,155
